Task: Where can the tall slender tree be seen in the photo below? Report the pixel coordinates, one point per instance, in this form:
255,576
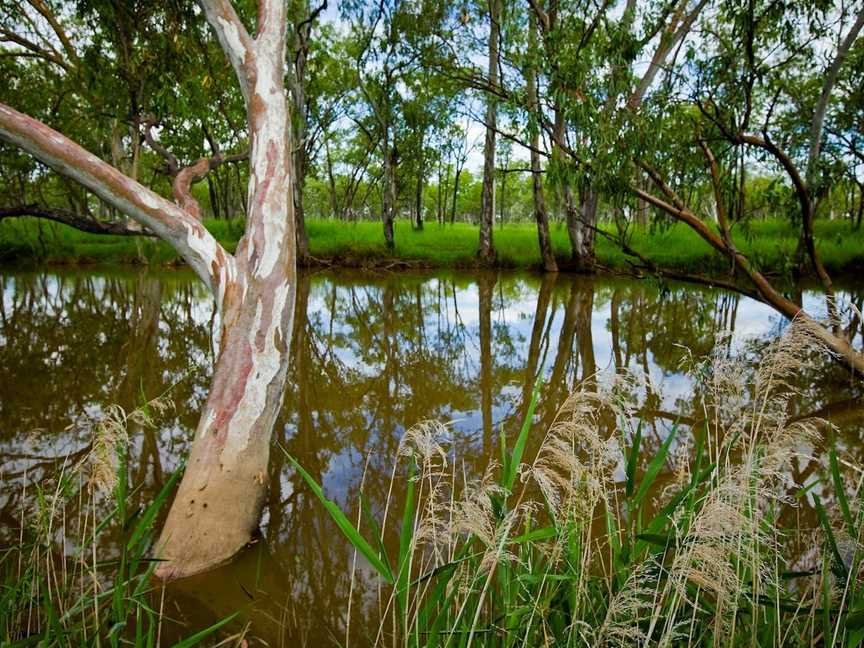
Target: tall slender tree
486,248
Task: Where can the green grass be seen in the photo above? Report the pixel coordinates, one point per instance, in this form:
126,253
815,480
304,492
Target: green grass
770,244
569,554
81,570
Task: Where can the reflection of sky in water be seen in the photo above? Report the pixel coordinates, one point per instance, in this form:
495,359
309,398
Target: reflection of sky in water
450,306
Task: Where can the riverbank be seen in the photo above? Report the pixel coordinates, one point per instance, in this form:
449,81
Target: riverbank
770,244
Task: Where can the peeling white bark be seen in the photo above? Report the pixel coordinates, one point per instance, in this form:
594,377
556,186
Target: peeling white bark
161,216
233,44
219,499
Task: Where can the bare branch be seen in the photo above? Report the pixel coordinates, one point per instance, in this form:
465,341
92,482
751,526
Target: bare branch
74,219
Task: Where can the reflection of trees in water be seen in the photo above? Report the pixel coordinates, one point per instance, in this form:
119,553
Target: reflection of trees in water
373,354
72,345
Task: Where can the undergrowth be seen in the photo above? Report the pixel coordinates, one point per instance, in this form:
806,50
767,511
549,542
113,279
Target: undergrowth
580,545
58,585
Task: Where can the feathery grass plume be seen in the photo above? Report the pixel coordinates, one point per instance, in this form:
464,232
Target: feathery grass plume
628,611
109,440
425,441
474,513
575,465
110,437
726,553
578,556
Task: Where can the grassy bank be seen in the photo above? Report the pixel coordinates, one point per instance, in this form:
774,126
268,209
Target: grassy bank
770,244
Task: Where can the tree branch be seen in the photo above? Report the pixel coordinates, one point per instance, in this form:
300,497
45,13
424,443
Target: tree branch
168,221
825,96
234,39
74,219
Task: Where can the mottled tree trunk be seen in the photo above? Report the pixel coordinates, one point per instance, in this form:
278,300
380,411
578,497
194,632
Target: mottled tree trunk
388,198
418,199
219,500
486,249
575,230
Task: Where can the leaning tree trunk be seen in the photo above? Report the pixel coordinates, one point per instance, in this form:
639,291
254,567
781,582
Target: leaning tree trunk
218,503
486,250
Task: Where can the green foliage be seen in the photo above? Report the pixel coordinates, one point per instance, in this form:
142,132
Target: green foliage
500,562
74,593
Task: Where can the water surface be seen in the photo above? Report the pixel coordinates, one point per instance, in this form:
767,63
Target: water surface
372,355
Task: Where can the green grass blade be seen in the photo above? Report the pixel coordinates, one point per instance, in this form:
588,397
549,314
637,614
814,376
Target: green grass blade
840,491
839,565
366,512
633,459
522,440
406,534
654,467
344,524
206,632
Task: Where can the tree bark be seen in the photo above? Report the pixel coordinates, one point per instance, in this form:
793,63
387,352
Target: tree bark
219,500
547,256
584,256
296,75
486,249
816,124
388,202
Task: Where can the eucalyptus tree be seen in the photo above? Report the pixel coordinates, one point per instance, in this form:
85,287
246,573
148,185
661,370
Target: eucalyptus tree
389,40
486,248
218,504
427,111
318,78
541,216
600,64
742,105
844,127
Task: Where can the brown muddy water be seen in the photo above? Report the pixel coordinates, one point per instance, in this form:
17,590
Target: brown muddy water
373,354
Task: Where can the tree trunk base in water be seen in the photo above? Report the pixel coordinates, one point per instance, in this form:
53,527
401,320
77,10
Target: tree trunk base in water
215,514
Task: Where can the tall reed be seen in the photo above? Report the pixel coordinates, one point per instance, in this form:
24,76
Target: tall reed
580,546
80,572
